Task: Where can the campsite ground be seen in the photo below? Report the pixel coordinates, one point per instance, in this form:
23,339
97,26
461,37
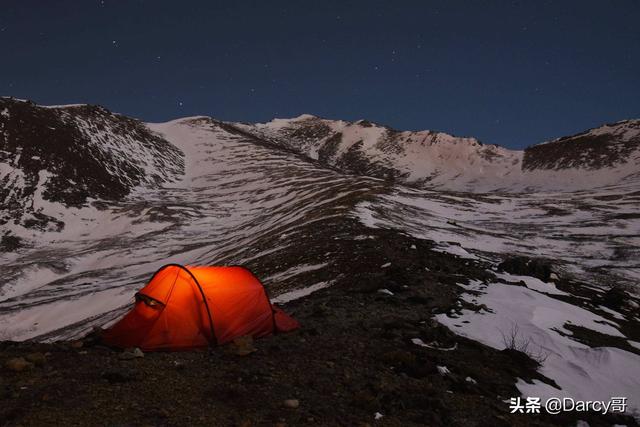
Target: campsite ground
352,358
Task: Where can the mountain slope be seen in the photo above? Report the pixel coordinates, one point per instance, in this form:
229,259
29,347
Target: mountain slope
67,155
245,197
428,159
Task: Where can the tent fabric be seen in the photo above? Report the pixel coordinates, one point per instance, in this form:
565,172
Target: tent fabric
175,310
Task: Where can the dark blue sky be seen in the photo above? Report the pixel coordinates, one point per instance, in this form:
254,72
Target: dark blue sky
511,73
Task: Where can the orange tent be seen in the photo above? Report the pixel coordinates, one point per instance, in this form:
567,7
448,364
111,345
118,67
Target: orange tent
181,306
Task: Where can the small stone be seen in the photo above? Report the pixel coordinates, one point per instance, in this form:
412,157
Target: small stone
291,403
18,364
131,353
443,370
243,346
76,344
36,358
554,277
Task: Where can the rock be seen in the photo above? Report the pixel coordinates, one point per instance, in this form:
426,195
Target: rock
524,266
131,353
76,344
242,346
291,403
18,364
554,277
38,359
615,298
443,370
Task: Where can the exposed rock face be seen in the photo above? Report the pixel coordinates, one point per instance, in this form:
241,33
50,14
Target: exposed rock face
424,158
69,155
599,148
601,156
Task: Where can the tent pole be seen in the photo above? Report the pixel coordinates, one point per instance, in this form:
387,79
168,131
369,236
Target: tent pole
213,340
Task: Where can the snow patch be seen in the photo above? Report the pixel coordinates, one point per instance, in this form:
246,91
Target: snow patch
300,293
582,372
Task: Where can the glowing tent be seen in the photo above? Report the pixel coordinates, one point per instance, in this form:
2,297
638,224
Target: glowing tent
182,308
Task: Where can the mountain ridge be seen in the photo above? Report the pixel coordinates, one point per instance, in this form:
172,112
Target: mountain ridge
431,159
311,230
115,154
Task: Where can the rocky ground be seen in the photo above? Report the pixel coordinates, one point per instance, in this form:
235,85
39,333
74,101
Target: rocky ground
352,358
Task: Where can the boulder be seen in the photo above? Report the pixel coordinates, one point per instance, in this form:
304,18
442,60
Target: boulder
242,346
131,353
523,266
615,298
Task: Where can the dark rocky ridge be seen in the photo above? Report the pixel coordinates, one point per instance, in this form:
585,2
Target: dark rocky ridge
586,150
87,152
392,155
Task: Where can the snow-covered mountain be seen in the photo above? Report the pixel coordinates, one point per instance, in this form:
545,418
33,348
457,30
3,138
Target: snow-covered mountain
72,154
126,197
428,159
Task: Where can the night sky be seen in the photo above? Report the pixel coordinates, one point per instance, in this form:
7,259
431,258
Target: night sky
510,73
